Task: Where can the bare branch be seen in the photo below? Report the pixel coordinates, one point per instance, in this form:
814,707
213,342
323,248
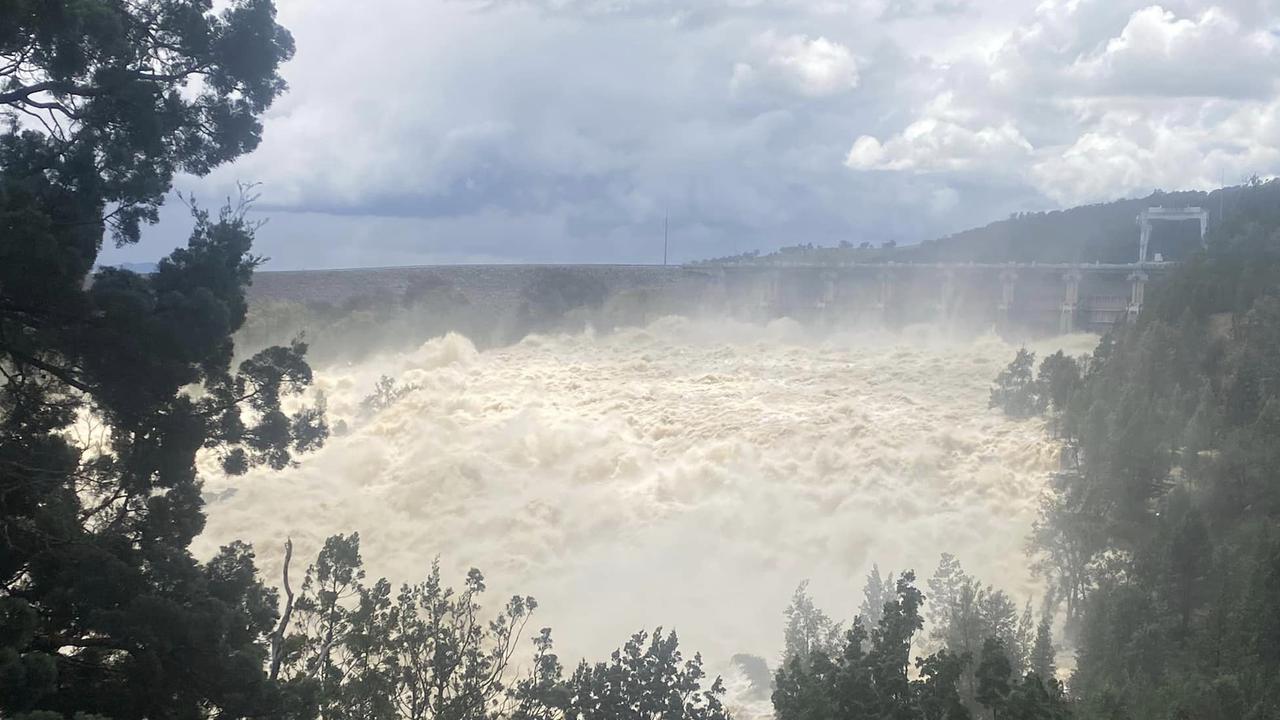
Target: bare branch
277,637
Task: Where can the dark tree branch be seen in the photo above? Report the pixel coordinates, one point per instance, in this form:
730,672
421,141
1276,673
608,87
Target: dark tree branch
277,637
63,374
51,86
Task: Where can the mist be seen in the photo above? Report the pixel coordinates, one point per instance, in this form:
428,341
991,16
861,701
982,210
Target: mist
639,359
686,472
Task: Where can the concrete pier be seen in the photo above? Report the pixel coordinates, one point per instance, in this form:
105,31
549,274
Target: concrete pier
1071,301
1038,299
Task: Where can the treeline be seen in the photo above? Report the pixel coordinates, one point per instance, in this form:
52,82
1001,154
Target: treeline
989,660
1102,233
347,648
1163,533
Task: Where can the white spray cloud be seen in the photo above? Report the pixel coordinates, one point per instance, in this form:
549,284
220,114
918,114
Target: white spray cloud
687,474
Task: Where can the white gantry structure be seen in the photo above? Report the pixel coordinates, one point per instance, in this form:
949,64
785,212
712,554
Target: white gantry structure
1163,213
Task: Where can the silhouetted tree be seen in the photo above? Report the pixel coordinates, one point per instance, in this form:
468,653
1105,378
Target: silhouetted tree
1015,391
809,630
113,383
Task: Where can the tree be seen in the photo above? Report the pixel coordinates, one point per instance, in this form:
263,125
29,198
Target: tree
421,653
1015,390
938,687
1042,652
116,97
385,394
647,679
1159,540
993,674
868,676
889,659
876,592
944,591
430,652
1034,698
105,610
95,534
1057,379
809,630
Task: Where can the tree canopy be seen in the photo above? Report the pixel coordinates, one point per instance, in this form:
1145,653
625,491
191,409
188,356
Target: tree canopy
111,383
1162,535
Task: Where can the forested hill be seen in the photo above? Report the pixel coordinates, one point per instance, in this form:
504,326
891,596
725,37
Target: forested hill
1105,232
1164,541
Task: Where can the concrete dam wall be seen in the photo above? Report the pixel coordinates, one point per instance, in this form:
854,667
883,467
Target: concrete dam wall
491,286
1017,299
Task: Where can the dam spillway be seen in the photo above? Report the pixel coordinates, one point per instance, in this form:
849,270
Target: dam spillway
1021,299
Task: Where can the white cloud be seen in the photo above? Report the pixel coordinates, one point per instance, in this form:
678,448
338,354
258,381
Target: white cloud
1160,53
814,68
946,138
902,9
1129,153
1088,100
866,154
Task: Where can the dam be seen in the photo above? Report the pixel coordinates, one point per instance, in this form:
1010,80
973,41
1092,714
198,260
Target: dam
1035,299
1020,299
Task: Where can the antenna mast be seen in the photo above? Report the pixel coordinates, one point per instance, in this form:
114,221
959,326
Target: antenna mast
665,219
1222,196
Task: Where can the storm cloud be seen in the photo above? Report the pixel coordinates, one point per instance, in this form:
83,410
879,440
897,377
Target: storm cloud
424,131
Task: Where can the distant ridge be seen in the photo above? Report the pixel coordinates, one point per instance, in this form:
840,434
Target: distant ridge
142,268
1104,233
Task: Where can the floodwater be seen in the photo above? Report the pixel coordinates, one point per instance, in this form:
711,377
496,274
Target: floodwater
688,474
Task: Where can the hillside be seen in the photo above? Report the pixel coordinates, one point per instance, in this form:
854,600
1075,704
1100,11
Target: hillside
1104,232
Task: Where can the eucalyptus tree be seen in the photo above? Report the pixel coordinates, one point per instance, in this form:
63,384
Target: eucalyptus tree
111,382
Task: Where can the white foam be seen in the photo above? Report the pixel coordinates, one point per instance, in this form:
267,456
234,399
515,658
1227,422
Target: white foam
688,474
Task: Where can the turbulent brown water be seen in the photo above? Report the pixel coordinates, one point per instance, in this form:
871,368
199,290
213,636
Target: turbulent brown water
688,474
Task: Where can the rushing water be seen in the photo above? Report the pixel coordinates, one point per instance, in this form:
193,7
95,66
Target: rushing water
688,474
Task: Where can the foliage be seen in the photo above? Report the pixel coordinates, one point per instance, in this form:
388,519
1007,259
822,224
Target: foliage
428,652
1102,232
876,592
870,676
1019,393
1163,539
385,394
809,630
423,652
115,98
1041,660
1015,390
965,614
647,679
113,383
100,496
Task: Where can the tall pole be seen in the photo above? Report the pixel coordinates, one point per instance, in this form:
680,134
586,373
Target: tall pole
665,221
1222,195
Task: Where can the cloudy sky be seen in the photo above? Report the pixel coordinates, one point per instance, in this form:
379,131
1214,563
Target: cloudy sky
456,131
